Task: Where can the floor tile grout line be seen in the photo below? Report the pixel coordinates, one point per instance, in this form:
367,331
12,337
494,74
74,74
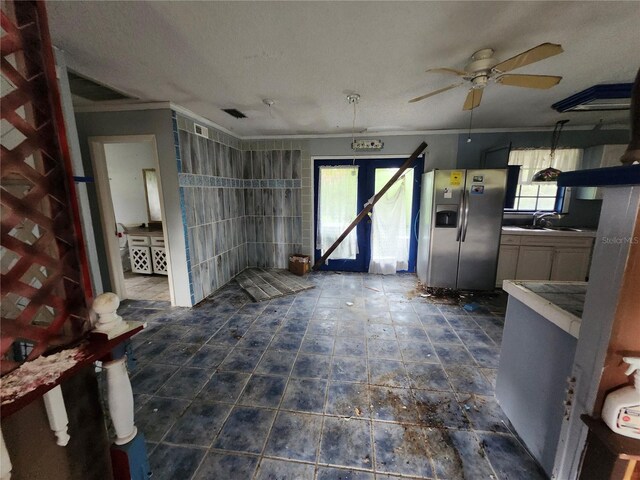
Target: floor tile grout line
193,400
253,372
215,370
455,392
324,403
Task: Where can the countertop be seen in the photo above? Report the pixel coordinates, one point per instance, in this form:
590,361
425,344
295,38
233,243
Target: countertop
513,230
559,302
147,232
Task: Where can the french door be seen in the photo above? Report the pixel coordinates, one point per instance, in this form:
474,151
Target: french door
342,188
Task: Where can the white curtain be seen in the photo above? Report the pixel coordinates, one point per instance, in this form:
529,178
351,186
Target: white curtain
389,233
534,160
337,208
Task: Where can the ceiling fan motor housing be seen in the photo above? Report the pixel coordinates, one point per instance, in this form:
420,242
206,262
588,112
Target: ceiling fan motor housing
482,62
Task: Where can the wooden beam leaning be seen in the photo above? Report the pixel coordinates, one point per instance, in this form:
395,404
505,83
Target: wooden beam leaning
369,206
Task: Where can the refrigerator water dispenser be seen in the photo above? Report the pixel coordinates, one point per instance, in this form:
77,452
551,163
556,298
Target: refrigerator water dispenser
446,216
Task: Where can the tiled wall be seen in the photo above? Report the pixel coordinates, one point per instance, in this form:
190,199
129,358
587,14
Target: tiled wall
212,196
241,204
273,206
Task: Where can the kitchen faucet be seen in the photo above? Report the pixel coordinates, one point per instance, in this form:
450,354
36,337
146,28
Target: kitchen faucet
539,215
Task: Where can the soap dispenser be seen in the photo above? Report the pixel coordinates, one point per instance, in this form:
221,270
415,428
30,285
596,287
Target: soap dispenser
621,411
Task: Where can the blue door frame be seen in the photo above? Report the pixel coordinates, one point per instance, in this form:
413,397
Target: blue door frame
366,188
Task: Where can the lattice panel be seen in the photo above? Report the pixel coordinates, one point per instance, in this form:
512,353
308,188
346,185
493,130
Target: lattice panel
140,260
43,287
159,257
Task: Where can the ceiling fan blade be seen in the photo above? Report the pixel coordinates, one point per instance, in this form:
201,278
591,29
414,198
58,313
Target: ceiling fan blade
453,71
542,51
529,81
473,99
422,97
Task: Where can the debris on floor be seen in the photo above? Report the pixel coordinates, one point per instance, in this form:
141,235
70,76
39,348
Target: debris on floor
268,284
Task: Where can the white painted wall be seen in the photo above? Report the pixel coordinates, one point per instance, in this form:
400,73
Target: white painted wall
125,162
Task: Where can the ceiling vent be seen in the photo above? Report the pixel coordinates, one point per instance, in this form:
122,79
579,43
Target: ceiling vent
234,113
200,130
94,91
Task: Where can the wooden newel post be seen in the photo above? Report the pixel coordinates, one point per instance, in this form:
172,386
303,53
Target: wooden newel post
128,456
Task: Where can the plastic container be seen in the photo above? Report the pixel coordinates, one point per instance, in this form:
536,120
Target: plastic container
621,411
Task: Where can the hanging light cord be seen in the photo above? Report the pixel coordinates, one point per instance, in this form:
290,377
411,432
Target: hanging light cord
473,95
555,137
353,130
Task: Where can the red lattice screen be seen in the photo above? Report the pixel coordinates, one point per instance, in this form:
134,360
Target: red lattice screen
43,285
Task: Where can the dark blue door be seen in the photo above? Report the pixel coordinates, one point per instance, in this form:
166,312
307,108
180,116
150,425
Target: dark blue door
361,190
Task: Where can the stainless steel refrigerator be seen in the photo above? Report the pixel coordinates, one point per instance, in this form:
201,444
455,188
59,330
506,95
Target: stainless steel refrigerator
460,225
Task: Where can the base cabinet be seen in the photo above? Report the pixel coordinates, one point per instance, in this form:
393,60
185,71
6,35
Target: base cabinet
542,257
507,263
148,255
534,263
570,263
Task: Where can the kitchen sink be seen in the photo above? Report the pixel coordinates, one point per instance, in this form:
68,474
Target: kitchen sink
532,227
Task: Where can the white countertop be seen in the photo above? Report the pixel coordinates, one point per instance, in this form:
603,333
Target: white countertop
566,293
512,230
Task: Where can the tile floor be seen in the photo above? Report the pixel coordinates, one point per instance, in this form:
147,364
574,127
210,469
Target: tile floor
307,387
147,287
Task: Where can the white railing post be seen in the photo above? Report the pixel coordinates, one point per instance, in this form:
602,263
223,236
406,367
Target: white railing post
120,400
109,322
57,413
119,392
5,461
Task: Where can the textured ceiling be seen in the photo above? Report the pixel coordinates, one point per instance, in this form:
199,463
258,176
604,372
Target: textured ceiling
308,55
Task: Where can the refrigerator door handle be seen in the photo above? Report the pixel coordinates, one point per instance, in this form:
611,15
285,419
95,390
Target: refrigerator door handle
459,225
465,200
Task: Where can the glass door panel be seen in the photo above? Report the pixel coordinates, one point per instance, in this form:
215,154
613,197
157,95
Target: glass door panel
337,207
391,225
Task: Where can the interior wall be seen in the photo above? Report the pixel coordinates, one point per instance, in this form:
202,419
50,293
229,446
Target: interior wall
212,198
142,122
241,204
273,206
125,162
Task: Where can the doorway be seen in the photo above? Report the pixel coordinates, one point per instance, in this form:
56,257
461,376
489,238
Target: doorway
129,190
386,242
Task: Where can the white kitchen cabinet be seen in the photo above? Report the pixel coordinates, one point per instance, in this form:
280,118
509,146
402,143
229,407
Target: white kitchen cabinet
534,263
543,257
507,263
570,264
599,156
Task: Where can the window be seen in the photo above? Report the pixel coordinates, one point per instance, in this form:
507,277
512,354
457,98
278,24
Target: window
530,197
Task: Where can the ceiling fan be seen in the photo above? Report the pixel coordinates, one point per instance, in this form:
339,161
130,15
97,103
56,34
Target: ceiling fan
483,68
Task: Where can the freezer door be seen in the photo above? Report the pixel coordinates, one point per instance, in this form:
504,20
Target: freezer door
424,230
482,222
445,228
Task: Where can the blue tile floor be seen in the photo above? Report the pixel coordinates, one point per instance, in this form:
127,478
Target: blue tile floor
358,378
